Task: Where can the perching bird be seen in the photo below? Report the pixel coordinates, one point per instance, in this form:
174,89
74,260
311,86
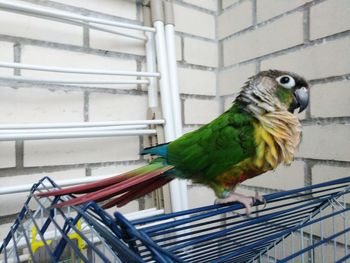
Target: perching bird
255,135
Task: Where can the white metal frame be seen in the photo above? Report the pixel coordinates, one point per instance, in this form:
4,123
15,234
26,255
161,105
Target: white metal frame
160,56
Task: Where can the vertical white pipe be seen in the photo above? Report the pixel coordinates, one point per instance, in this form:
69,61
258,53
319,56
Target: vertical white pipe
174,86
166,101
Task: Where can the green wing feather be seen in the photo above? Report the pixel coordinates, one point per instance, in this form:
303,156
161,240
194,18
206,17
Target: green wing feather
206,153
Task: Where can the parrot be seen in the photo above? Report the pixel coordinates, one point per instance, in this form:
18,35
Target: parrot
256,134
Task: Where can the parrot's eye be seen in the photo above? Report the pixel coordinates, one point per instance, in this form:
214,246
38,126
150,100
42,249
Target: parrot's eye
286,81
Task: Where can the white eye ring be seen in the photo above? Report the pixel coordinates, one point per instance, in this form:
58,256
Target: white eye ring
286,81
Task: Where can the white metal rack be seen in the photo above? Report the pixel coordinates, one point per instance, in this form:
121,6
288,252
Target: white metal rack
161,72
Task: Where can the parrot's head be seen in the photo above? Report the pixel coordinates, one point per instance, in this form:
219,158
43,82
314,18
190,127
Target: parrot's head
275,90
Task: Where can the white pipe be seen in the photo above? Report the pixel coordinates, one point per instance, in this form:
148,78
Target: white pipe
66,135
164,81
75,82
83,129
175,94
77,70
166,100
77,124
7,5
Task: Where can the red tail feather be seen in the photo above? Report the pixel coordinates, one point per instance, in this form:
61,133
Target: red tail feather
125,183
138,192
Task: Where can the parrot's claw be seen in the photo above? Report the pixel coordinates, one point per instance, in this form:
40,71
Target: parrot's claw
259,198
247,201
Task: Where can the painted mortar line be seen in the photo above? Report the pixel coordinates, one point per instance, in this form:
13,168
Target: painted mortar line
195,7
232,6
195,66
188,35
334,163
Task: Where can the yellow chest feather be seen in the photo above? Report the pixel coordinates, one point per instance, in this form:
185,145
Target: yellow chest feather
277,135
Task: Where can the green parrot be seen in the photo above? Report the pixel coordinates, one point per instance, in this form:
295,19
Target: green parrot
255,135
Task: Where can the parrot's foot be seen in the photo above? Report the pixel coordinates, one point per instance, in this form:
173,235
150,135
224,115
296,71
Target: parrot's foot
247,201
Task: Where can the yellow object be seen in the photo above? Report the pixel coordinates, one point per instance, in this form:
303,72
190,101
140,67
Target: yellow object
37,244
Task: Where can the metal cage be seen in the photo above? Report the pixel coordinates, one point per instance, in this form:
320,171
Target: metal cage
309,224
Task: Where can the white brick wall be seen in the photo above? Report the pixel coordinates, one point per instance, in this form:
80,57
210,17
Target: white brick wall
258,42
207,4
231,81
40,105
194,81
267,9
200,52
235,19
6,55
120,8
227,3
111,107
7,154
79,151
65,58
329,17
283,178
200,111
315,62
323,97
112,42
41,29
194,22
331,142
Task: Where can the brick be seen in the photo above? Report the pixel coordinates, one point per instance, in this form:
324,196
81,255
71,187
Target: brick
319,61
64,58
329,17
193,81
76,151
283,178
112,107
322,173
6,55
207,4
123,8
203,25
330,99
112,42
7,154
12,203
200,52
326,142
40,105
227,3
178,47
264,40
200,111
235,19
232,80
270,8
199,196
42,29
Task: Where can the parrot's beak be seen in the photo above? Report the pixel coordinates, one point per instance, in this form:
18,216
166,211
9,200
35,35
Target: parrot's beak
300,100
